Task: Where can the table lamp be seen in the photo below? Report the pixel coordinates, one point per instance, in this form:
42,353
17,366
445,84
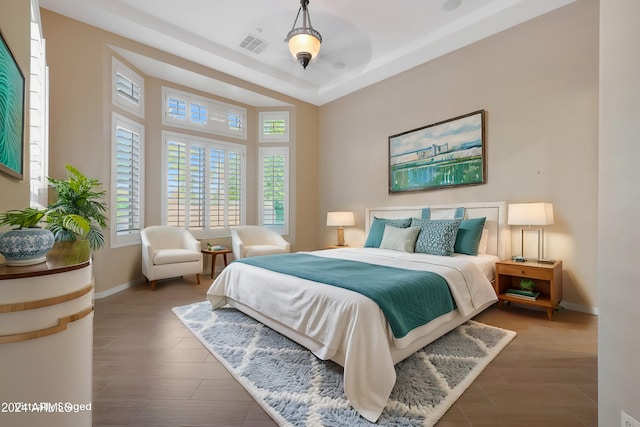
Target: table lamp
530,215
340,219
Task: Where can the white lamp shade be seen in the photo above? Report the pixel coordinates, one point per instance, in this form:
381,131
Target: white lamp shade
340,219
530,214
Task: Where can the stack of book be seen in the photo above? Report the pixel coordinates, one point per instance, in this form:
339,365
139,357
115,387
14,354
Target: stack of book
215,247
527,295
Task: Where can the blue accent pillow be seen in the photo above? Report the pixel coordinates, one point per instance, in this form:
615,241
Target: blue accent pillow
437,237
469,235
376,231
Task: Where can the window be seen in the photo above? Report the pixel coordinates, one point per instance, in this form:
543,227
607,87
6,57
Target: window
189,111
126,181
274,188
38,114
203,184
273,126
127,88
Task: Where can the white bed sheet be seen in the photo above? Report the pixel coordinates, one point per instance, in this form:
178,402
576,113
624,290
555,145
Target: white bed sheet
347,327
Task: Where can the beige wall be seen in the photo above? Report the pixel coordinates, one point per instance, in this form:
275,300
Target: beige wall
15,24
538,83
619,246
79,59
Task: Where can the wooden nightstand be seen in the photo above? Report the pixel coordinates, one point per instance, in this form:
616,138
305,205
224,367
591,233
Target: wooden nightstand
547,277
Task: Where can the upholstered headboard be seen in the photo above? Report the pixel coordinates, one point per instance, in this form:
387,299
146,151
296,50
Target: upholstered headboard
499,243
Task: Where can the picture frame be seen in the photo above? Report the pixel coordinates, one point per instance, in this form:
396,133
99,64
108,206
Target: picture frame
12,101
446,154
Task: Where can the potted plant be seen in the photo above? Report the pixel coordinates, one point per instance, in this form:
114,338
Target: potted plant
77,213
527,285
26,244
79,210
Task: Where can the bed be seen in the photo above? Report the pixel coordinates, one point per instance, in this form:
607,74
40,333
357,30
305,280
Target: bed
351,329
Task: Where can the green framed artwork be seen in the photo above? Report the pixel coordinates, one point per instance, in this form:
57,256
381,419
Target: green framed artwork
445,154
11,113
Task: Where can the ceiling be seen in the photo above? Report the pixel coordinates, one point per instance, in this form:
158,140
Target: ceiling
363,41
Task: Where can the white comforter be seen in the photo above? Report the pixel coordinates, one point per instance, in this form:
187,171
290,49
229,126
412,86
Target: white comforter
348,327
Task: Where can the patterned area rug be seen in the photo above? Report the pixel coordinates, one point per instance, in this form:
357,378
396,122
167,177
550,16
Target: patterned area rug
298,389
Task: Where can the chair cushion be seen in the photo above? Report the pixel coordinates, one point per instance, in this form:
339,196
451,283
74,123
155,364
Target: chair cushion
257,250
172,256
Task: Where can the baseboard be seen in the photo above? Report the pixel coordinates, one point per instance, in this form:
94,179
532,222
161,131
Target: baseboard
581,308
116,289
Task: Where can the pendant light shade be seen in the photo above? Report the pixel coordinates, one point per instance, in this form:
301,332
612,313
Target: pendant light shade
304,42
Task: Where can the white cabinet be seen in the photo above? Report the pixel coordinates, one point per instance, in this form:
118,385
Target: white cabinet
46,340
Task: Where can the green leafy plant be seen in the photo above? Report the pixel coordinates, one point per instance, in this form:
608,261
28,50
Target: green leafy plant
25,218
527,284
79,210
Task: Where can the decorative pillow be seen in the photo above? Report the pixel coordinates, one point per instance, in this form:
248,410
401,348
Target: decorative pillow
439,213
377,229
436,237
399,239
469,235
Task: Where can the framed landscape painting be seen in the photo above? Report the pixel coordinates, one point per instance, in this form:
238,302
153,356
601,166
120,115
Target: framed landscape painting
445,154
11,113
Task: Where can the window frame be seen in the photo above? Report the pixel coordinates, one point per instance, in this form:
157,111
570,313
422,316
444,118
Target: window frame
207,232
38,113
264,116
215,126
131,238
262,153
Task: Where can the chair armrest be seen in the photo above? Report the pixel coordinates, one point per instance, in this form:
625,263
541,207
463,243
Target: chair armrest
191,242
280,241
147,250
237,246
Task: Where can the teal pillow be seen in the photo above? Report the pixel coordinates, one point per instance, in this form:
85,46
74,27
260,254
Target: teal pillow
399,239
437,237
376,231
449,213
469,235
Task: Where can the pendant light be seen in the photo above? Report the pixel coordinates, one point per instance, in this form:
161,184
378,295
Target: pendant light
304,42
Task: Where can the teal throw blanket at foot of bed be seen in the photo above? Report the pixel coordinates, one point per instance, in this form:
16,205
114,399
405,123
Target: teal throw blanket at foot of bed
408,298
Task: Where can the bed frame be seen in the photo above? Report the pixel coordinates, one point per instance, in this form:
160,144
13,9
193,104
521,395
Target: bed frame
499,243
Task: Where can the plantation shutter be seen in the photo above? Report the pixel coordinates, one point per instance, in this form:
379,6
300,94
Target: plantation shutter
197,175
217,187
127,89
273,126
127,177
235,172
274,164
204,183
176,183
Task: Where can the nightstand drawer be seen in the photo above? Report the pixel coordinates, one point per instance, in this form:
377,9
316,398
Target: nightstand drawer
526,271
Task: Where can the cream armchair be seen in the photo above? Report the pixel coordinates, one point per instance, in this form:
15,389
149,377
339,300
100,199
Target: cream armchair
169,252
253,240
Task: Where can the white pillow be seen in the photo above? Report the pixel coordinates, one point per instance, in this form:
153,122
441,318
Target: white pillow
399,239
484,240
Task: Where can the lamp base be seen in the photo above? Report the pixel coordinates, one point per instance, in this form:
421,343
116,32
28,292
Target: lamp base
340,236
547,261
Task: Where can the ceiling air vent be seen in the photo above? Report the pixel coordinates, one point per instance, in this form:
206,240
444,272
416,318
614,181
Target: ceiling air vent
253,44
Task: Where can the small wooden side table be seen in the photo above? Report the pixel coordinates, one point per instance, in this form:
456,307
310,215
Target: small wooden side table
547,277
214,253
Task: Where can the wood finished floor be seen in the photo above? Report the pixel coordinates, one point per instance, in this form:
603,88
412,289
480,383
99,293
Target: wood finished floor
150,371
